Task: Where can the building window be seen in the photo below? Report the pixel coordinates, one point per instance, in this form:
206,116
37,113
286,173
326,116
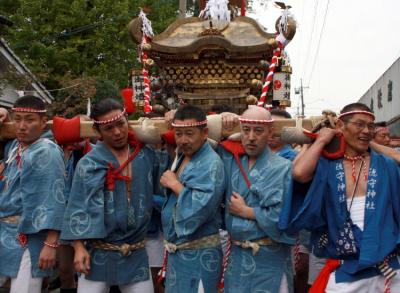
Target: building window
371,105
390,91
379,98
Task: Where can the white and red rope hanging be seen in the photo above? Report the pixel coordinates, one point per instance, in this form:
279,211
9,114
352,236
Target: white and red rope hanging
353,161
270,75
147,35
225,263
282,42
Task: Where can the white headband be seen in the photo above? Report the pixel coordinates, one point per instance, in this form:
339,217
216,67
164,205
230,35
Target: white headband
357,112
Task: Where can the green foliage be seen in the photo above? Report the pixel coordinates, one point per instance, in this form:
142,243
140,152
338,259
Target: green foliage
63,41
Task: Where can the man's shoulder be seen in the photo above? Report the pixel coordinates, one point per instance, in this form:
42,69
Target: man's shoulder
278,161
386,160
212,154
45,145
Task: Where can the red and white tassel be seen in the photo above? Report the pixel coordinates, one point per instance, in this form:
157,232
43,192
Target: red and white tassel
387,281
161,274
225,263
387,285
297,254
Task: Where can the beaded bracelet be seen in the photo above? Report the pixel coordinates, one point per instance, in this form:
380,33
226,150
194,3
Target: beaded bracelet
52,245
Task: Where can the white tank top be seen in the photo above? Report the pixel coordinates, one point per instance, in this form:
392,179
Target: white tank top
357,210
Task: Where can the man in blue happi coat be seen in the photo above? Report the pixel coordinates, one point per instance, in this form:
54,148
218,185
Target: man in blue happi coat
352,208
259,257
191,215
110,206
300,251
275,143
31,198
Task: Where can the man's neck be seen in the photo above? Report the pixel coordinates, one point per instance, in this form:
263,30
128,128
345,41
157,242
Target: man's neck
25,145
121,153
252,161
353,153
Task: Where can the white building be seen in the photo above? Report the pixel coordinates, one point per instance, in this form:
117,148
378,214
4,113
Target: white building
8,91
384,98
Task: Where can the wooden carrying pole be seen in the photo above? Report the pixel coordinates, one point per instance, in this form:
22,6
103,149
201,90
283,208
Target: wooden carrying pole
7,130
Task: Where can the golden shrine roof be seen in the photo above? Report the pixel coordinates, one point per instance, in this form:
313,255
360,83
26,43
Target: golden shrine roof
242,35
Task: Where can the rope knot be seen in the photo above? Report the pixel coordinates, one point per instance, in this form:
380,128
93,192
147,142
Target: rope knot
125,249
248,244
171,247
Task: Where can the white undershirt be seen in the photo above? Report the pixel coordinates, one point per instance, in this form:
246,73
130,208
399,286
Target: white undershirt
357,210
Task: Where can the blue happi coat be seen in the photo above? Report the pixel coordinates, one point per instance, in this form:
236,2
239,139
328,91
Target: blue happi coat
290,154
70,166
195,213
287,152
155,226
323,210
270,179
94,212
34,190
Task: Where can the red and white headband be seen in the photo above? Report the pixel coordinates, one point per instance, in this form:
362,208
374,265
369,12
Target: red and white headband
27,110
195,124
381,128
255,121
357,112
115,118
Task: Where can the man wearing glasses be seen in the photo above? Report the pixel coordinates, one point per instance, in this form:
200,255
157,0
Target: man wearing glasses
352,208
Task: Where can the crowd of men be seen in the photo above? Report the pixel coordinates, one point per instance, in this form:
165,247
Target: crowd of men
197,212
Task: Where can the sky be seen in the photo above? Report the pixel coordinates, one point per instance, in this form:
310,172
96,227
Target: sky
359,41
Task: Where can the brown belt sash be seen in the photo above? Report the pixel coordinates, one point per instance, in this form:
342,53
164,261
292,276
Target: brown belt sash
201,243
253,245
125,249
11,219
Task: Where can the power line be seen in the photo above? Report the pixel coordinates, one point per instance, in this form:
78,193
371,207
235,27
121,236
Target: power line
53,90
311,37
319,43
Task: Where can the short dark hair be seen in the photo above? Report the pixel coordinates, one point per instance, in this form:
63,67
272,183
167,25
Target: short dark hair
104,106
29,101
353,107
380,124
281,113
190,112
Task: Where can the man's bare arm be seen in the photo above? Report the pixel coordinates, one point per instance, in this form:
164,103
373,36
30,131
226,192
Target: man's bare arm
386,151
306,163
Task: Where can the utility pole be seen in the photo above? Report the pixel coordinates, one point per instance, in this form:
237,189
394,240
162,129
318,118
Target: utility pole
302,97
299,91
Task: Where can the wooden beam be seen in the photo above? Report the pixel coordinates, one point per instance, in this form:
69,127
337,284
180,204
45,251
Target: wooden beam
7,130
